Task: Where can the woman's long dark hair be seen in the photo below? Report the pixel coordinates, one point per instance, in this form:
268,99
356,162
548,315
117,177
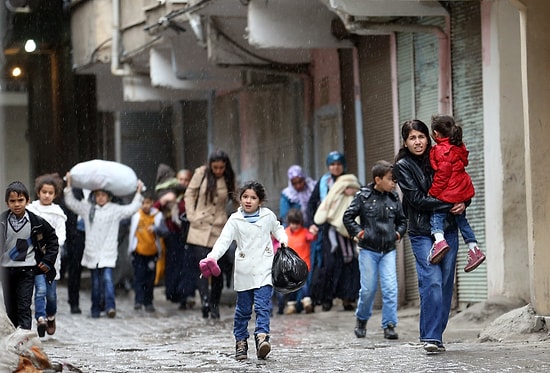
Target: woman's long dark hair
228,175
406,128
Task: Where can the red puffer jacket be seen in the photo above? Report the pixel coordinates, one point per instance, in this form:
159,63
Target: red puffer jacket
451,182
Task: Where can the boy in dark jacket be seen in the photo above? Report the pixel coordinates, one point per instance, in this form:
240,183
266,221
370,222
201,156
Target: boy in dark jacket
382,223
28,246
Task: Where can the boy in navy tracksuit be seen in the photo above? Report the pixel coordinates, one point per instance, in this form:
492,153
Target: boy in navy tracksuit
382,223
28,246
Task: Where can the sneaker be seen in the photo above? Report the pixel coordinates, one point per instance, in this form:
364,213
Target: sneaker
41,326
307,304
475,258
150,308
111,313
439,250
441,348
263,347
360,328
431,347
50,327
241,350
389,332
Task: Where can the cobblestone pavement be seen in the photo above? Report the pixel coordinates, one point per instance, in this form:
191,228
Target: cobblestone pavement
172,340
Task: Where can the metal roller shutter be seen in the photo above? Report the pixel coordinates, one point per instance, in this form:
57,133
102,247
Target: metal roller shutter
468,110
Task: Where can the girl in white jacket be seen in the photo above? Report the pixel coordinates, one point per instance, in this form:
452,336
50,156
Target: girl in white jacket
251,227
47,188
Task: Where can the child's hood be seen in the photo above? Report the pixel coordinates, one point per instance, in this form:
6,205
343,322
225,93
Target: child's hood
53,209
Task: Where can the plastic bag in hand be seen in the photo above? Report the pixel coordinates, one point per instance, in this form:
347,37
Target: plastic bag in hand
289,272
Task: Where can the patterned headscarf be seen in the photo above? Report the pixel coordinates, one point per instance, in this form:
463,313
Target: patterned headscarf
300,197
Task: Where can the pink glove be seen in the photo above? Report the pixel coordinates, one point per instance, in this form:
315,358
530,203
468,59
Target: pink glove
209,267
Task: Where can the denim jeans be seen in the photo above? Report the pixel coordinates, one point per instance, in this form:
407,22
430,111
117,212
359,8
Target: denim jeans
45,297
372,265
437,221
261,300
144,278
435,285
102,284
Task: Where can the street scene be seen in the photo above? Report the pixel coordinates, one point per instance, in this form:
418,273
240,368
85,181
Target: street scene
172,340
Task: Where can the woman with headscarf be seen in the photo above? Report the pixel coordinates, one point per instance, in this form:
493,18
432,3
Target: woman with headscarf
296,194
333,261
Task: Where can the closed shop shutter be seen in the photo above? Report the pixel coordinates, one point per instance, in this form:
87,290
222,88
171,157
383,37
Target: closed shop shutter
407,110
468,110
418,73
378,128
376,94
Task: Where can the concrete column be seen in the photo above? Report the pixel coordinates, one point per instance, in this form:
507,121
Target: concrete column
505,200
536,80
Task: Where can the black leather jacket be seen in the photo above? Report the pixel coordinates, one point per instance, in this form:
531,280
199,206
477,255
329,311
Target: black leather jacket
44,240
381,216
417,203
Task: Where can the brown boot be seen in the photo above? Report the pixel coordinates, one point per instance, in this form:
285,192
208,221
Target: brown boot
263,348
241,350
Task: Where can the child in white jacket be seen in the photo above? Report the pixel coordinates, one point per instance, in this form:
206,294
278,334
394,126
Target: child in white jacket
47,188
251,227
101,221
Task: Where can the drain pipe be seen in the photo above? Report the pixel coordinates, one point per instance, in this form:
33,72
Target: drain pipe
445,96
359,139
116,43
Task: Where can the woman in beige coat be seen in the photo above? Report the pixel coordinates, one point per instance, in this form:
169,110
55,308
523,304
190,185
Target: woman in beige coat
206,199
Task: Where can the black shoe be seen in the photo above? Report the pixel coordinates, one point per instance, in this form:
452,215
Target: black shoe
150,308
389,332
360,328
138,306
214,311
41,326
327,306
205,311
76,310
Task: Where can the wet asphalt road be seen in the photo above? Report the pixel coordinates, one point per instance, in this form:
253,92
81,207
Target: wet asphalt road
172,340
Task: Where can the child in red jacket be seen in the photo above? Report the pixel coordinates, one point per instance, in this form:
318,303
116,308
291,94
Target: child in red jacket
451,183
299,239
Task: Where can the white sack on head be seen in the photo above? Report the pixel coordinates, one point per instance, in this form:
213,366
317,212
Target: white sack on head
114,177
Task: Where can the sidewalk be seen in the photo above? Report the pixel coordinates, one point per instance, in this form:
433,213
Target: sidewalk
172,340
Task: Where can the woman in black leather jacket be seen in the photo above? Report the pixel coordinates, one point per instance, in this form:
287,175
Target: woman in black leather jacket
414,174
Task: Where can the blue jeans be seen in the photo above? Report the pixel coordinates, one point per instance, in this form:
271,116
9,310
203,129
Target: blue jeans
372,265
144,278
437,221
435,285
261,300
102,285
45,297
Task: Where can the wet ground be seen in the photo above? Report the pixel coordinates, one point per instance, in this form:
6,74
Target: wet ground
172,340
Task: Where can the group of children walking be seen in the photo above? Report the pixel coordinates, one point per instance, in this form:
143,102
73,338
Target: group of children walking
32,233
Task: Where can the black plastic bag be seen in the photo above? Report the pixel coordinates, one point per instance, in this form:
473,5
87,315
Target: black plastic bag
289,272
